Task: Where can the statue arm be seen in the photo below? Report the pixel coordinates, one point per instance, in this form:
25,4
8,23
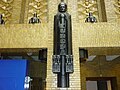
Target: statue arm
87,19
70,23
39,21
55,23
55,33
70,35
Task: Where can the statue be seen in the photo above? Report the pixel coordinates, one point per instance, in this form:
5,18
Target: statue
27,82
62,58
34,19
1,20
91,18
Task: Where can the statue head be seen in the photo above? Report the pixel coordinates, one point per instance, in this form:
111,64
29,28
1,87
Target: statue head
90,14
62,7
35,14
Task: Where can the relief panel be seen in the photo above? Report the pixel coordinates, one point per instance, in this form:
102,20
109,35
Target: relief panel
6,7
117,8
40,7
86,6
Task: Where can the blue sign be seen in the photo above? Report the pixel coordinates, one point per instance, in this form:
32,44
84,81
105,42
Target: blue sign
12,74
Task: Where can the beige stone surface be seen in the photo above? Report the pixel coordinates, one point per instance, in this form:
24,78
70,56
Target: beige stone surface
23,36
16,11
94,37
36,36
98,35
110,11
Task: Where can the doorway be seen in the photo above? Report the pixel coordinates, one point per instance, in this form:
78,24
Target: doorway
101,83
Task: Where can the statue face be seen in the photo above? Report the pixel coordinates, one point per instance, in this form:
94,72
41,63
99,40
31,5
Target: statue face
62,7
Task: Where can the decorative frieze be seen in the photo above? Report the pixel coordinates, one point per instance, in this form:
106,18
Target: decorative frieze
86,6
40,7
117,8
6,9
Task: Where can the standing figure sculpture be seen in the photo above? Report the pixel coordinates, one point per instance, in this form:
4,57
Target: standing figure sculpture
62,58
1,19
91,18
34,19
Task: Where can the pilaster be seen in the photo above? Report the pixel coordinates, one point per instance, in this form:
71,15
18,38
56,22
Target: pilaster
75,83
16,11
51,80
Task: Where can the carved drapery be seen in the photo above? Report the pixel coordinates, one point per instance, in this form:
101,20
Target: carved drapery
6,10
40,7
117,8
86,6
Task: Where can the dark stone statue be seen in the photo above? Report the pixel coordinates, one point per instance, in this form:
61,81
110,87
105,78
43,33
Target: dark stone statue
1,19
62,25
62,58
91,18
34,19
